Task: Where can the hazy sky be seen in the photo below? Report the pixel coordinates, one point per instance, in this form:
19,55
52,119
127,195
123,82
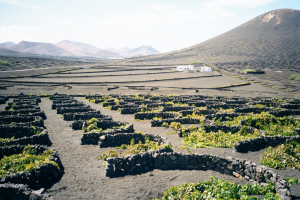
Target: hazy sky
166,25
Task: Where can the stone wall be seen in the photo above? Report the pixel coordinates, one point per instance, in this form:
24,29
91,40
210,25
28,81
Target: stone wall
164,115
128,111
177,108
74,109
20,107
121,138
8,119
103,123
262,142
41,139
285,112
17,131
39,176
93,137
140,163
10,191
116,107
56,106
158,123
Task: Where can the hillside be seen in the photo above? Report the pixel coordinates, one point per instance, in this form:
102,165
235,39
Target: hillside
40,48
7,45
269,42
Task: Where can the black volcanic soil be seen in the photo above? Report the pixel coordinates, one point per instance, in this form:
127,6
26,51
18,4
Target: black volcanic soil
270,42
21,63
84,176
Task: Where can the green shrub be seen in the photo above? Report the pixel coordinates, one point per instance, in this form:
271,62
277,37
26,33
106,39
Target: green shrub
195,62
283,156
6,63
245,71
272,125
25,161
292,77
219,189
202,139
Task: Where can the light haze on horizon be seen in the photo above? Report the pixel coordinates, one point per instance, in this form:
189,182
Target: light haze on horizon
166,25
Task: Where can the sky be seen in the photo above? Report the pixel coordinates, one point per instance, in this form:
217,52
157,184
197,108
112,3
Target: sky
166,25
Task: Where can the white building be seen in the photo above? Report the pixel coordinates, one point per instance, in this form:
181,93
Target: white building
185,68
206,69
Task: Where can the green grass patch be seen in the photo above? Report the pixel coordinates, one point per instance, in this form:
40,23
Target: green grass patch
245,71
201,139
219,189
295,77
134,148
283,156
6,63
195,62
25,161
272,125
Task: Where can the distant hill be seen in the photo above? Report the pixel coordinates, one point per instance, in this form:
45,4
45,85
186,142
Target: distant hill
40,48
7,45
271,40
140,51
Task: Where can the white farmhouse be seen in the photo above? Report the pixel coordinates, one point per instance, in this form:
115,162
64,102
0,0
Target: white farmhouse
206,69
184,68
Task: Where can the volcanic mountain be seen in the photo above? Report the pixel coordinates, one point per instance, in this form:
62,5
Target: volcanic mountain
81,49
269,42
7,45
40,48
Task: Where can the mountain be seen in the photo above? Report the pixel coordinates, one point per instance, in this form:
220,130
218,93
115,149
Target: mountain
271,40
105,53
40,48
140,51
118,50
7,45
77,48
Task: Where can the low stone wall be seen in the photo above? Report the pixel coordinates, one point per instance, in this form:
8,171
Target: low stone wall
41,139
251,109
19,107
285,112
23,102
10,191
84,115
262,142
128,111
26,98
290,106
17,131
93,137
36,178
158,123
198,112
140,163
125,138
74,109
222,115
116,107
24,111
8,119
197,104
65,105
102,122
2,100
64,101
164,115
177,108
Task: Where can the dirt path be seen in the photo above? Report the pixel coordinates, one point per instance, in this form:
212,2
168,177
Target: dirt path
84,176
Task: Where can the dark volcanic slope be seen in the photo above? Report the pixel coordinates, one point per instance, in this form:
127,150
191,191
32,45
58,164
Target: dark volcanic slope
268,42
